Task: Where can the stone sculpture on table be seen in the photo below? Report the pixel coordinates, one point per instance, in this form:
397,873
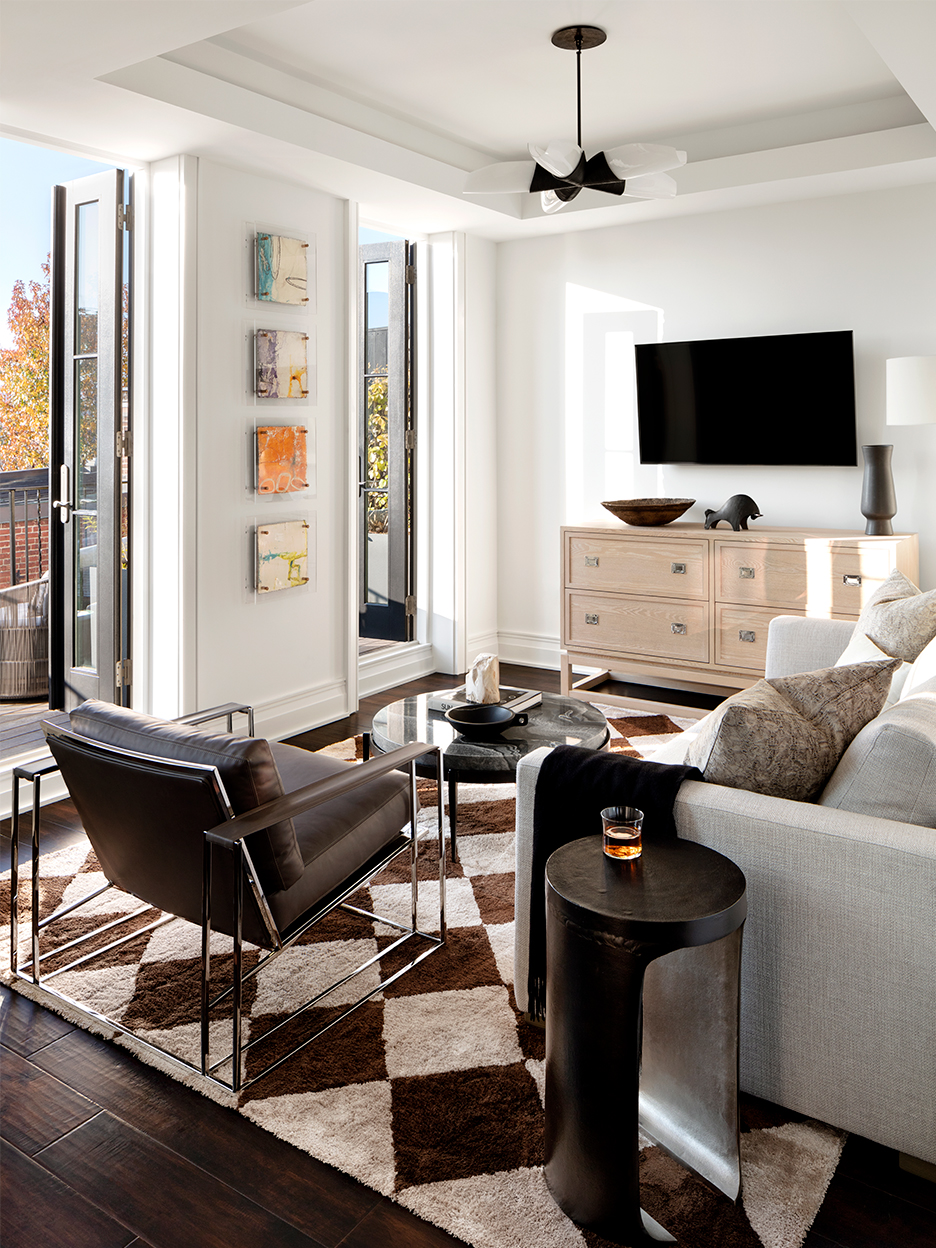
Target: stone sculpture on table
738,510
482,683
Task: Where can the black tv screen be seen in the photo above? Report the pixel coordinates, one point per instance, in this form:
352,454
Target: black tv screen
777,399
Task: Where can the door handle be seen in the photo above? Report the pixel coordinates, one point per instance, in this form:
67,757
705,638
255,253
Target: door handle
63,504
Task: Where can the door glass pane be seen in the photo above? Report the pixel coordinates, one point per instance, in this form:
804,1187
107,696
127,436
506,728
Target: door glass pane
376,311
85,526
378,551
86,280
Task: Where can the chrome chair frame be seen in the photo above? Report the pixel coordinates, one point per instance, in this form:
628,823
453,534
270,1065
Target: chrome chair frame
229,835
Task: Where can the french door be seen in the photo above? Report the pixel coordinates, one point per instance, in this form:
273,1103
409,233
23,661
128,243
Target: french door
387,441
90,440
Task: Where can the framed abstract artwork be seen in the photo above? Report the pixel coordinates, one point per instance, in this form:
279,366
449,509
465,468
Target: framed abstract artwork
282,364
282,555
282,269
282,459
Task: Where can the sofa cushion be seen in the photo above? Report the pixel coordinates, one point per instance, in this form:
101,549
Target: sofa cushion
861,649
245,764
889,770
899,618
784,737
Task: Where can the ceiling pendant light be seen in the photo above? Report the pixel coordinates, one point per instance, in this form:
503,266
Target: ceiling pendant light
561,169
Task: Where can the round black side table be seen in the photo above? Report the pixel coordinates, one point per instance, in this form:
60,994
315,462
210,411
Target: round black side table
643,965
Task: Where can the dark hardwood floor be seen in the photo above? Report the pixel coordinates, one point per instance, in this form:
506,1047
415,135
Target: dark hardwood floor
101,1151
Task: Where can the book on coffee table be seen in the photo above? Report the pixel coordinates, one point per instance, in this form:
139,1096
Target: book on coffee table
514,699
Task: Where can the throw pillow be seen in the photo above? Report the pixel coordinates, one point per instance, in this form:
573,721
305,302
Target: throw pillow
899,618
922,676
784,737
889,770
861,649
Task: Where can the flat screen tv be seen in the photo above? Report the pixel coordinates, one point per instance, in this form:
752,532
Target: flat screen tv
777,399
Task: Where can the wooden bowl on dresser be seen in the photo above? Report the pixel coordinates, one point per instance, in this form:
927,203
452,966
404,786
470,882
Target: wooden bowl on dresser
649,511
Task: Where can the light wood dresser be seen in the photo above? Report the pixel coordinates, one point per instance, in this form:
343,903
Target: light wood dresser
683,604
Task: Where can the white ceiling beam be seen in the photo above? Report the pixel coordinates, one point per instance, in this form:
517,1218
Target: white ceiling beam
903,33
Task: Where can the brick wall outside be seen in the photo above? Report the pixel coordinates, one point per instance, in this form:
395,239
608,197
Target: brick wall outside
32,535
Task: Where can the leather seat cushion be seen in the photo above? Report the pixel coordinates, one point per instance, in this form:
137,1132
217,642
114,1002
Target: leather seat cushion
246,765
336,838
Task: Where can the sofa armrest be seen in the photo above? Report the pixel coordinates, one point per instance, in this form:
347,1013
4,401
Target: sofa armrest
798,643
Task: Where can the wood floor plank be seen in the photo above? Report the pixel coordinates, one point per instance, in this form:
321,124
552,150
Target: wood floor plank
879,1167
859,1216
26,1027
38,1210
36,1108
160,1195
315,1198
392,1226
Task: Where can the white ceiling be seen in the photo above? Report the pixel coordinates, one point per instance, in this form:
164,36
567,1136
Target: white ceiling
391,101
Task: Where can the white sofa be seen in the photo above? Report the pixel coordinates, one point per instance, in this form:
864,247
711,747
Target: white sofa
838,990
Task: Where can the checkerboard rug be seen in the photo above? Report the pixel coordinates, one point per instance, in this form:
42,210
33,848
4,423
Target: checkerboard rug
431,1093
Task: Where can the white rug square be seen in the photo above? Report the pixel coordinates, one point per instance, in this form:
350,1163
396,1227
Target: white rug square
445,1031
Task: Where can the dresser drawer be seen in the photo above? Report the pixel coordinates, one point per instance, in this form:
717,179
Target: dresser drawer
814,577
741,635
647,565
629,625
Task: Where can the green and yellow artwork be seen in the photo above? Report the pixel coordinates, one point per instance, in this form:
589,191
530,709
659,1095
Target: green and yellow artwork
282,555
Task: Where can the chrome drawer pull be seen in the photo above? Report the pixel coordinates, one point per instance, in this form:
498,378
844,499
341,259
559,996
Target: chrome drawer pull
746,574
678,628
591,619
678,568
746,635
851,579
591,561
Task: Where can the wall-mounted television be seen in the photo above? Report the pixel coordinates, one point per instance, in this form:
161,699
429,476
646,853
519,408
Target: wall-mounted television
776,399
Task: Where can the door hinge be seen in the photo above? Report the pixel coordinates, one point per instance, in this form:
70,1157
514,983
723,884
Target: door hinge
124,443
123,675
409,440
124,217
411,275
409,605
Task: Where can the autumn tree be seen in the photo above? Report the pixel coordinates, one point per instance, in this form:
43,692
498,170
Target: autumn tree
24,379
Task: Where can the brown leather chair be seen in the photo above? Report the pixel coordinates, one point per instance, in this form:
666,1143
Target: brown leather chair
255,839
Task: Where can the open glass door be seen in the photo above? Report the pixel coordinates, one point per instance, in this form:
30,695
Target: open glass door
387,441
90,440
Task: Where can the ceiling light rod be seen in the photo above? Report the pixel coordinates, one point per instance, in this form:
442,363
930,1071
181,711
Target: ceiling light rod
574,39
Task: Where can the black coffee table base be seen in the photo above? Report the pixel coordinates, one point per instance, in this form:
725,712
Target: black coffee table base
641,1026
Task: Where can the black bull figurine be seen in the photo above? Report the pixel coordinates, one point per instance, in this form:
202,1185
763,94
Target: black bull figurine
738,510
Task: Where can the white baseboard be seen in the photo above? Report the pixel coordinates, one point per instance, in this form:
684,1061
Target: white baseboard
298,712
386,668
529,649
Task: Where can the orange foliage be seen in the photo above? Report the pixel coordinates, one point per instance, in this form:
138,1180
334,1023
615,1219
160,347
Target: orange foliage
24,379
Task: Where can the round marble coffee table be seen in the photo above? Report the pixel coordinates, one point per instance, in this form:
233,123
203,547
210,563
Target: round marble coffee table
556,721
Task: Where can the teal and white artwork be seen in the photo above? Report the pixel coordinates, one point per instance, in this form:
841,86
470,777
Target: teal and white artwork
282,555
282,269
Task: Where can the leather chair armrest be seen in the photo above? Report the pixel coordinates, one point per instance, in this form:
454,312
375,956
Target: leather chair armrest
216,712
312,795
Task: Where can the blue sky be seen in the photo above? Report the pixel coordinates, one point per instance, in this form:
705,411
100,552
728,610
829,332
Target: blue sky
27,175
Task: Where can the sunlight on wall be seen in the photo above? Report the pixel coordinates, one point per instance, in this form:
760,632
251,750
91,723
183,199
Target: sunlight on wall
601,460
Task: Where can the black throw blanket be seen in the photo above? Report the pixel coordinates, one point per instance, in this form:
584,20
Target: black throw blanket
573,787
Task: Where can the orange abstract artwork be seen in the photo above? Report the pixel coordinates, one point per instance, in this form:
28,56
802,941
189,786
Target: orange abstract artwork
282,465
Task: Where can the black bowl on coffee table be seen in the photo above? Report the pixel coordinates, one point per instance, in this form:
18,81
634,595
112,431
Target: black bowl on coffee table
483,720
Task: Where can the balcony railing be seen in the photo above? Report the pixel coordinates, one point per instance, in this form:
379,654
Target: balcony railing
24,526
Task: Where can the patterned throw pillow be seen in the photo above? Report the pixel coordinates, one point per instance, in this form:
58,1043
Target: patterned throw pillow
784,737
899,618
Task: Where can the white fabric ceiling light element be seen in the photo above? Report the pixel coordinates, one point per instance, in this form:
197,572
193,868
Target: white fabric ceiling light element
501,179
560,158
911,390
637,159
650,186
550,201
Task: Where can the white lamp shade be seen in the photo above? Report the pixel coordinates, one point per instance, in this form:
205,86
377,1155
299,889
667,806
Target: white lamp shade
633,160
501,179
650,186
911,390
559,158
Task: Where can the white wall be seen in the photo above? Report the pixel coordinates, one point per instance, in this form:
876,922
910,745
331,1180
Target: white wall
865,262
286,651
